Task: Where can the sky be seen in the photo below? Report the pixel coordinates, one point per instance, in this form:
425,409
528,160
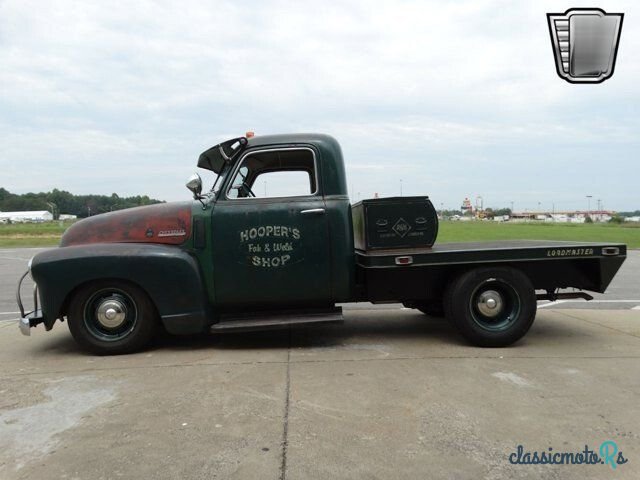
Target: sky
448,99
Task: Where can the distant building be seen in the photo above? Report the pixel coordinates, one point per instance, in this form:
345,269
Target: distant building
26,217
466,206
66,216
563,217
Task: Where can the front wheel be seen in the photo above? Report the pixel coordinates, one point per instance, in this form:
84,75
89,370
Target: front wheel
111,317
491,307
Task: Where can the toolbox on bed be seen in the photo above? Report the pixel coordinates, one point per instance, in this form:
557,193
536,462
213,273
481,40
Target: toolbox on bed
395,222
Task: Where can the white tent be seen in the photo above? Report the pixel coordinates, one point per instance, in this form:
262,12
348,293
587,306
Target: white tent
26,217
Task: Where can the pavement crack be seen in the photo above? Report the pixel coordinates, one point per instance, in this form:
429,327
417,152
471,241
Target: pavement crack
285,419
113,369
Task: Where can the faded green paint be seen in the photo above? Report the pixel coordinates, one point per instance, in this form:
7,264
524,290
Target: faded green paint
341,243
319,268
202,217
270,252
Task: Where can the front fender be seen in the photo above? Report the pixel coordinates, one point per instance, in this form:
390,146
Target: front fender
169,275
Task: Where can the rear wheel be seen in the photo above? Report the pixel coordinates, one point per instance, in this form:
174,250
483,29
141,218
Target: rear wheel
491,307
111,317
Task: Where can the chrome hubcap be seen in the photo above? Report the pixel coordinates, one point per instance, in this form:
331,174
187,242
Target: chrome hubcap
111,313
490,303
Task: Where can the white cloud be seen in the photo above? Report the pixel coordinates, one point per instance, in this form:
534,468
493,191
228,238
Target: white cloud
462,95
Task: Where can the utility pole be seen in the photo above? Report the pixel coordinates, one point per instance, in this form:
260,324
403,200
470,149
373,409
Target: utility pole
53,207
400,187
511,208
589,197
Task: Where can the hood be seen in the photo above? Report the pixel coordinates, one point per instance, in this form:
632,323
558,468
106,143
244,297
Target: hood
165,223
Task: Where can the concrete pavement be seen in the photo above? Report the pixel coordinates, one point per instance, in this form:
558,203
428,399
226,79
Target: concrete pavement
389,394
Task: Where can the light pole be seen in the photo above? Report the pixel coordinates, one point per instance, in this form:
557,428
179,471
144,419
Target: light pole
589,205
400,187
511,208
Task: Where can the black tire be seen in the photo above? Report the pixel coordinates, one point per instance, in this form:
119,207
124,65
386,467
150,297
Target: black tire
491,307
131,328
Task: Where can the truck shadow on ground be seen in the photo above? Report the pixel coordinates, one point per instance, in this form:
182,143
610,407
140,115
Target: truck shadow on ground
376,329
371,330
358,331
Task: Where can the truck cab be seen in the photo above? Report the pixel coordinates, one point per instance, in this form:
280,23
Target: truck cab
282,214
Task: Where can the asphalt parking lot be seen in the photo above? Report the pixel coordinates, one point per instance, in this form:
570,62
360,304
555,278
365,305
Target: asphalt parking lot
389,394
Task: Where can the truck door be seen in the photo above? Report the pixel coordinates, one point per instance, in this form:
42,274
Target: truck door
270,232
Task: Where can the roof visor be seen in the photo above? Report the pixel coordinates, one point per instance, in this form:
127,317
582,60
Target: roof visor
215,158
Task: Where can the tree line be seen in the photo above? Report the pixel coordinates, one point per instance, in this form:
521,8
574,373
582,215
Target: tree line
61,202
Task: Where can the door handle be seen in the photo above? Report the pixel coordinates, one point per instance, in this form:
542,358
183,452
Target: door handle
313,211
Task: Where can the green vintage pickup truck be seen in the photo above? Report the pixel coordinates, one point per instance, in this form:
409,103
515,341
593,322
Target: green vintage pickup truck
275,242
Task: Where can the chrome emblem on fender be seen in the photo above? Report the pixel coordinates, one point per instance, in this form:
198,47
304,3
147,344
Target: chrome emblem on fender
172,233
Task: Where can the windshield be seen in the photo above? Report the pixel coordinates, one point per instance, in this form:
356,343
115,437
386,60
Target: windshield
218,159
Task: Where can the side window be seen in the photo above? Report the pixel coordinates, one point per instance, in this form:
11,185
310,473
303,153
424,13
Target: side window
283,183
275,173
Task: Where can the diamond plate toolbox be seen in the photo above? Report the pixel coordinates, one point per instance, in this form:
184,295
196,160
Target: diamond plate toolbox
396,222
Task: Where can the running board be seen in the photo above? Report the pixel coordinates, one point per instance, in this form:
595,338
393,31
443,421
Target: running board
255,321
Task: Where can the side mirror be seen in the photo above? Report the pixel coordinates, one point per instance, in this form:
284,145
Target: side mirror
194,183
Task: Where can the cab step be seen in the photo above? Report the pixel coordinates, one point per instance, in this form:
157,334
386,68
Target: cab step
255,321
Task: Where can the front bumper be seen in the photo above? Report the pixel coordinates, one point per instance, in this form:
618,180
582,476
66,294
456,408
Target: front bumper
28,319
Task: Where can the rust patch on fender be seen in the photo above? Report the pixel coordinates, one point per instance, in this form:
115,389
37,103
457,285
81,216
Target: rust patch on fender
164,223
